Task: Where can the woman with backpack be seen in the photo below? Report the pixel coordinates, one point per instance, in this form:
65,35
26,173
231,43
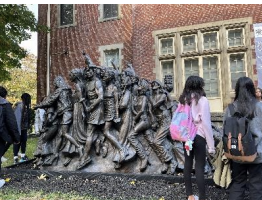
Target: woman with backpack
195,96
246,104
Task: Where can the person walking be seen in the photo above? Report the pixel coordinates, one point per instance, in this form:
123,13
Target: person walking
245,103
22,114
195,96
8,126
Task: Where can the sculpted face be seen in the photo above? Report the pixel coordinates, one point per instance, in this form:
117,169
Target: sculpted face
89,73
72,76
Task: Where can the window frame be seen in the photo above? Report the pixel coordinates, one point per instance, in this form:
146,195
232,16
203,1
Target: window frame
218,71
160,46
182,44
59,17
162,75
102,49
229,67
104,56
217,36
101,13
243,37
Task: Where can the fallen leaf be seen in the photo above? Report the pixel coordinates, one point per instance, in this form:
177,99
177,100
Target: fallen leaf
7,180
42,177
132,182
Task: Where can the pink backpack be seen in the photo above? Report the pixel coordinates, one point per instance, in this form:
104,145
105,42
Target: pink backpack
182,127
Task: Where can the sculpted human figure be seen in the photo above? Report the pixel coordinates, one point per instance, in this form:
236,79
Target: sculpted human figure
47,140
142,123
94,110
163,119
61,100
79,132
111,112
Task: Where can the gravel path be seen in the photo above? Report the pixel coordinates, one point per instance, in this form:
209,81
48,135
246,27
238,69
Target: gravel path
104,186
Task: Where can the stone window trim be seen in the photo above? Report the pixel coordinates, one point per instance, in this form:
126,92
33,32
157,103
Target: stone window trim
101,14
221,27
59,17
102,49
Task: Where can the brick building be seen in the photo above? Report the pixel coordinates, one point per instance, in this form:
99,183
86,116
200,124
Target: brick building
215,42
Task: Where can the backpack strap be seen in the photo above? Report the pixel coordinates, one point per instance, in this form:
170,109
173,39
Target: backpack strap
231,109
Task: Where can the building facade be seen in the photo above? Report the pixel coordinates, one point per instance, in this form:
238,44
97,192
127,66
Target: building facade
215,42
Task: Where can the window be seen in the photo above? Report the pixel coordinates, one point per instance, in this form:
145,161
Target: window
66,14
110,11
167,69
235,37
191,67
237,67
210,41
189,43
210,75
110,55
166,46
220,52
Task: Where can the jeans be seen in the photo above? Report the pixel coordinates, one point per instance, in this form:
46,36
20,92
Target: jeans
22,144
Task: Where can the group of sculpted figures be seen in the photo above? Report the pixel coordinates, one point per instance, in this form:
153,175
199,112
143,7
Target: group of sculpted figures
108,112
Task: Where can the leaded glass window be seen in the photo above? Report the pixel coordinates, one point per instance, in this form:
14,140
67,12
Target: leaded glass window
167,46
237,67
191,67
189,43
210,40
66,14
210,75
235,37
167,69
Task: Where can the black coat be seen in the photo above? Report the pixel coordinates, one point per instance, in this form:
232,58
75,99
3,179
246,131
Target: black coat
9,131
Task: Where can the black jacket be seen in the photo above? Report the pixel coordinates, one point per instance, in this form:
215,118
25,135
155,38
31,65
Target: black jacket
9,130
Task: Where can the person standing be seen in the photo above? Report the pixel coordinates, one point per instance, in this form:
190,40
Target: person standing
22,114
258,94
195,96
8,126
246,103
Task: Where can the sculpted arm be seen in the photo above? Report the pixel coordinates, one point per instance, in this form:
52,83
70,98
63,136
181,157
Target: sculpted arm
49,101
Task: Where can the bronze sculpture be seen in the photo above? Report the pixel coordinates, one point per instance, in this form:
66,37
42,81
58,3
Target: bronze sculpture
115,114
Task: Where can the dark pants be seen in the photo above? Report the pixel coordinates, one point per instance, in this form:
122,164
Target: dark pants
199,153
240,174
2,150
22,144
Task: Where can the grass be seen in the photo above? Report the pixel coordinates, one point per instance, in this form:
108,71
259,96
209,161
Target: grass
30,149
40,195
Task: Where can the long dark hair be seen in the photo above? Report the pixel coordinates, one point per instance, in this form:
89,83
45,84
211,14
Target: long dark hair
194,86
26,98
245,98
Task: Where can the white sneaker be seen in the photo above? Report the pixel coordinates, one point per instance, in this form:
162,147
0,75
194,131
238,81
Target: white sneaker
2,182
3,159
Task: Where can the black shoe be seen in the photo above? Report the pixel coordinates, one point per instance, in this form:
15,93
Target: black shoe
16,161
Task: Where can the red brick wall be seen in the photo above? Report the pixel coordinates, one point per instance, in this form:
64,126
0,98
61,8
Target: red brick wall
149,18
134,30
87,35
